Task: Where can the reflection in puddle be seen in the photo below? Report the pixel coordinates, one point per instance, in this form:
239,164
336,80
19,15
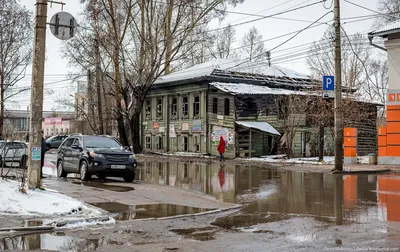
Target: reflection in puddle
114,188
200,234
32,223
56,242
325,197
127,212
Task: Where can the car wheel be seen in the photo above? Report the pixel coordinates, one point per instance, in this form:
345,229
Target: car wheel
129,177
84,172
22,163
60,170
48,147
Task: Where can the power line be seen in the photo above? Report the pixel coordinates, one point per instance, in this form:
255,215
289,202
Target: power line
269,16
365,8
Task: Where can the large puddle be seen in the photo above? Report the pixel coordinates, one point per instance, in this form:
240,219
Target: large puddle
55,242
126,212
271,195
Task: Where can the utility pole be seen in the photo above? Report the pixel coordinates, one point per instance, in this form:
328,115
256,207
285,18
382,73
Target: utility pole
98,80
338,92
36,113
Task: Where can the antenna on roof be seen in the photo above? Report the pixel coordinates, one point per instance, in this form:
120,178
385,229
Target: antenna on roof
269,58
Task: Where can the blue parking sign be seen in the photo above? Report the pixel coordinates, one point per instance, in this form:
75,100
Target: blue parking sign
328,83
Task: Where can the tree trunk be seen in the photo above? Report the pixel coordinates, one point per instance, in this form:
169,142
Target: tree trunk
1,106
118,98
321,141
168,52
135,132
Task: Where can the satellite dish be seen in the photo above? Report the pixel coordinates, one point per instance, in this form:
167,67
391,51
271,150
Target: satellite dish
63,25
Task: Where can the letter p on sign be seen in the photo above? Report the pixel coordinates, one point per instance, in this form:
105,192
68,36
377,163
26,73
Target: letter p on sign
328,83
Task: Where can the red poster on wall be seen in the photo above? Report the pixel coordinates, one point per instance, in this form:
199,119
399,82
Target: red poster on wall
53,121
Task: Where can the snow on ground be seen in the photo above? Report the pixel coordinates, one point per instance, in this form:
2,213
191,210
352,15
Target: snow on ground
310,160
39,202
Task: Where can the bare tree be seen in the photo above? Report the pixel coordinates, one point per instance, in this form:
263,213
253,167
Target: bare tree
320,58
223,43
15,49
253,46
391,10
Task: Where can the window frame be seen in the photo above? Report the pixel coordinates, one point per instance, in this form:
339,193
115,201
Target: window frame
159,108
196,106
215,105
227,105
185,107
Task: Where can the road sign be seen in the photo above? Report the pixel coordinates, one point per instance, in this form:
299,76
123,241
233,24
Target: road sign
63,25
328,83
36,153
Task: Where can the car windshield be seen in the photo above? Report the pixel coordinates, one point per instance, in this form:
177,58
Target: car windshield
101,142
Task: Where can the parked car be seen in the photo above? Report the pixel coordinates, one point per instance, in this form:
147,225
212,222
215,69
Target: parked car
55,141
14,152
95,155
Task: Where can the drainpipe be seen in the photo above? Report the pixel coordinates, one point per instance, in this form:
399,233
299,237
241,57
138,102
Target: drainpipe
168,122
370,38
208,139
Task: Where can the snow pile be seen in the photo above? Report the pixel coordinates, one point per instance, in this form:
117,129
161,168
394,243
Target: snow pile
282,159
38,202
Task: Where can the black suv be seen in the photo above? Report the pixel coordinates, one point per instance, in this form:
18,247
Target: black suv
95,155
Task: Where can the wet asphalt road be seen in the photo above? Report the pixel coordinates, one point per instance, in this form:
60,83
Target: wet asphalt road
282,210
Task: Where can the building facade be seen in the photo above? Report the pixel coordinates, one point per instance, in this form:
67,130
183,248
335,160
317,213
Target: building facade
188,111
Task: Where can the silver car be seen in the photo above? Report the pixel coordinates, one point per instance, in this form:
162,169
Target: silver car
14,152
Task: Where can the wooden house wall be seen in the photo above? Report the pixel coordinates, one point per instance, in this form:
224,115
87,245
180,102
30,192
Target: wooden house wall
160,127
220,120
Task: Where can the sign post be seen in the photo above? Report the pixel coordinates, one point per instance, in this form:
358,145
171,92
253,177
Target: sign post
328,85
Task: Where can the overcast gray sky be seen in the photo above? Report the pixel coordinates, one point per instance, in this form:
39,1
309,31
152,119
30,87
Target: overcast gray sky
56,68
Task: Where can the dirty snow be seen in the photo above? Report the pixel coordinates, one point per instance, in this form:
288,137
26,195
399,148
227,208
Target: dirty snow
37,202
311,160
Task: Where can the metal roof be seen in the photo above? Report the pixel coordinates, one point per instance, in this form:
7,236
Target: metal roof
388,29
242,88
262,126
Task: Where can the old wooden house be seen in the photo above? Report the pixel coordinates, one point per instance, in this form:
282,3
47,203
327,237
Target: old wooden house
247,104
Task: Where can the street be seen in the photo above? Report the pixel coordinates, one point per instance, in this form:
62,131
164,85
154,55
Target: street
166,209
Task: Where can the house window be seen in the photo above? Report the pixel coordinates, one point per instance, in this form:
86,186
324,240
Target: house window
227,109
159,109
196,107
215,106
174,108
185,107
196,143
148,142
62,131
148,109
185,143
159,143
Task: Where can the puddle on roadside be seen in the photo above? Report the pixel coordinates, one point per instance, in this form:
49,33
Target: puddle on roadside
114,188
247,220
130,212
200,234
56,242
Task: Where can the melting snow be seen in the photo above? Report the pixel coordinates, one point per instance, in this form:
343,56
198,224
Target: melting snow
38,202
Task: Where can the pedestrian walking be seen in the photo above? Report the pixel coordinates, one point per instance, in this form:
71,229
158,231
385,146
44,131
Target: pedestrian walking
43,152
221,148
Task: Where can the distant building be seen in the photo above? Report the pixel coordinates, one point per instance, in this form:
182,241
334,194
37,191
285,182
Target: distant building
16,123
246,103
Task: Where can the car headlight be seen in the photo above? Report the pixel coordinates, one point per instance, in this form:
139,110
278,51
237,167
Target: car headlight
93,154
132,156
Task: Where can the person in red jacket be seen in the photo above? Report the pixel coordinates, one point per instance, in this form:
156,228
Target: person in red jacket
221,149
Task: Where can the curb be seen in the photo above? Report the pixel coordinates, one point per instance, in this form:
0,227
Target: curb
22,229
190,215
88,220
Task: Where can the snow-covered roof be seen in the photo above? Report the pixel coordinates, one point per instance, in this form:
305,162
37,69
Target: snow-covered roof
391,28
263,126
242,66
242,88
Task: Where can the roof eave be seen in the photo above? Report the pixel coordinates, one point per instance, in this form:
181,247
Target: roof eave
384,33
